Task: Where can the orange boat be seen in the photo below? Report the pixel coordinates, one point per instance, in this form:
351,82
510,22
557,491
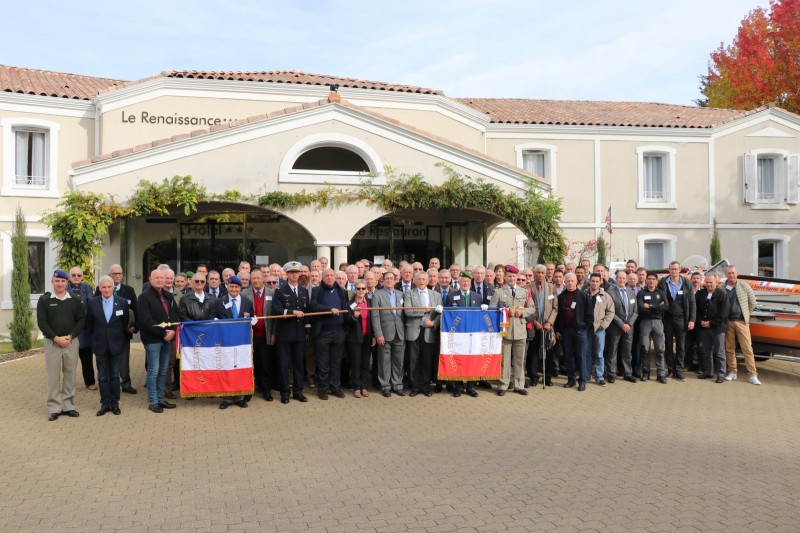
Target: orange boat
775,326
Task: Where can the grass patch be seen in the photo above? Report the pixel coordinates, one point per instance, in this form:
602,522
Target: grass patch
7,347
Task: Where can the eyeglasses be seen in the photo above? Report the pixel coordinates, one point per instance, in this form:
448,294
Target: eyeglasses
76,275
417,270
271,282
115,273
200,281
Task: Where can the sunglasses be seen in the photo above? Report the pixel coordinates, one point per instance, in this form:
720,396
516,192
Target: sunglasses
76,275
361,288
271,282
200,281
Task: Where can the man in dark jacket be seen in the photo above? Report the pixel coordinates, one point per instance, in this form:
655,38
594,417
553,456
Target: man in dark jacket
652,303
575,316
127,293
713,308
329,333
679,317
291,298
107,319
197,304
233,305
83,291
156,306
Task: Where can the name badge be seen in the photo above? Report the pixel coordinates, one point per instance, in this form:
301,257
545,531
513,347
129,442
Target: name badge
633,300
574,304
129,302
599,299
268,298
658,296
680,292
227,305
401,301
646,297
119,312
456,298
550,297
353,305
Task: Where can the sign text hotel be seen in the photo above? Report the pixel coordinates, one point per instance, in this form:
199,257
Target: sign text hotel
147,118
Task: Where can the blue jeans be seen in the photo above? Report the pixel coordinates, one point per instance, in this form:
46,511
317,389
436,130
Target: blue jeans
597,344
157,355
574,341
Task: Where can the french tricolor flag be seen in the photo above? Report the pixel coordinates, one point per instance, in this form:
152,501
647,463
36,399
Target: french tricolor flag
216,358
471,345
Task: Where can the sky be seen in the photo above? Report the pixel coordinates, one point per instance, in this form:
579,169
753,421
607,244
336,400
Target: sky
634,50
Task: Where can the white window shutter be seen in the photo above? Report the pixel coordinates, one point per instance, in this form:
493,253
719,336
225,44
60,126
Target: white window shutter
793,181
749,162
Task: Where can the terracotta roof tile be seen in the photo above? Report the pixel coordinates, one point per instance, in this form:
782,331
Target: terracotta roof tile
298,78
594,113
57,84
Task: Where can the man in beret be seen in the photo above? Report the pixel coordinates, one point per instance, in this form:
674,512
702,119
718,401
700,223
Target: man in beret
232,305
520,307
61,318
290,333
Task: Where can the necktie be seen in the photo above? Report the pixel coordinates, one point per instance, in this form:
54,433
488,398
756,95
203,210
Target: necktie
107,306
513,293
258,294
234,309
624,300
467,303
294,290
480,294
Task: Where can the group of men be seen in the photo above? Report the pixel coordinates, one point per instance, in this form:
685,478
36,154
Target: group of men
561,320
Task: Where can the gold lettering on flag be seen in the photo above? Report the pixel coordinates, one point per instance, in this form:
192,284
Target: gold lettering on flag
196,353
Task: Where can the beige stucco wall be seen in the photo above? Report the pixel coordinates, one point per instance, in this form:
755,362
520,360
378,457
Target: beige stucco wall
437,123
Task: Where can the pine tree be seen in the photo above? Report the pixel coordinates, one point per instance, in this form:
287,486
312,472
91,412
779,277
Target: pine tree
715,249
22,321
601,250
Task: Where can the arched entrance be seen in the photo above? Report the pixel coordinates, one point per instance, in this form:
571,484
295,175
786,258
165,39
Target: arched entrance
221,235
453,235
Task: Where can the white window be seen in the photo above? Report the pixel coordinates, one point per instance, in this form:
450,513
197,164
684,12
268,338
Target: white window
656,170
656,250
771,178
539,159
331,158
771,255
42,253
30,161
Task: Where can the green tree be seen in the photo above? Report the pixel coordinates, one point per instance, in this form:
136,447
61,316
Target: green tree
715,249
22,320
601,250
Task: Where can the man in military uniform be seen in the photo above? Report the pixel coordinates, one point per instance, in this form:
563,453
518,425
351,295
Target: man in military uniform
290,333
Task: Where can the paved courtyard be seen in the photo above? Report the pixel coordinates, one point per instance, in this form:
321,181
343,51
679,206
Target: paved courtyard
692,456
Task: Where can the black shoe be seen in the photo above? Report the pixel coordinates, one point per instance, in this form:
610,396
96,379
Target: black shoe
437,387
338,393
300,398
129,390
156,408
268,396
611,379
413,393
705,376
175,387
534,381
72,413
400,393
456,394
473,393
284,399
387,393
662,380
116,410
602,383
225,404
53,417
720,379
569,384
548,382
166,405
582,387
243,404
629,378
645,376
521,392
322,395
485,385
678,377
501,392
103,410
428,393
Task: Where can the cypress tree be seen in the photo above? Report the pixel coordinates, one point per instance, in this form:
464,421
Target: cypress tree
22,320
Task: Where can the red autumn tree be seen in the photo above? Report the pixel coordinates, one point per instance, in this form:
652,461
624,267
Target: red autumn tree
762,65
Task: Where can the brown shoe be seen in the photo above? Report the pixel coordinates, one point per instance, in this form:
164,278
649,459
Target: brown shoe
322,395
92,387
357,393
169,395
365,393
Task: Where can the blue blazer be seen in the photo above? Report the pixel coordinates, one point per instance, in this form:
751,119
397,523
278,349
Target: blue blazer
108,337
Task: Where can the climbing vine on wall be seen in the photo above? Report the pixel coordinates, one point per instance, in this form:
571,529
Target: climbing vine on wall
82,219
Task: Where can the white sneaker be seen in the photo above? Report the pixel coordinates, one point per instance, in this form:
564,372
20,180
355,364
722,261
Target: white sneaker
730,377
755,381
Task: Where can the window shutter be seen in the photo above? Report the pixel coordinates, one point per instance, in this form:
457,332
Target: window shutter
793,181
749,162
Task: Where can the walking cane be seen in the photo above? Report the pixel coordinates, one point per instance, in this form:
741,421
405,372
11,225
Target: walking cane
544,359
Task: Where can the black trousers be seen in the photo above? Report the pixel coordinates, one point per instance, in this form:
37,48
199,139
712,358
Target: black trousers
329,346
420,354
533,357
359,363
87,365
292,356
675,330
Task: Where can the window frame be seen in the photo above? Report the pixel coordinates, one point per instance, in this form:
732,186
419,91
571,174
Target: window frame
787,178
287,174
781,242
50,254
670,246
667,155
51,130
549,152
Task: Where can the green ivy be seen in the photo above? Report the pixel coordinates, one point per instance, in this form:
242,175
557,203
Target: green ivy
81,219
